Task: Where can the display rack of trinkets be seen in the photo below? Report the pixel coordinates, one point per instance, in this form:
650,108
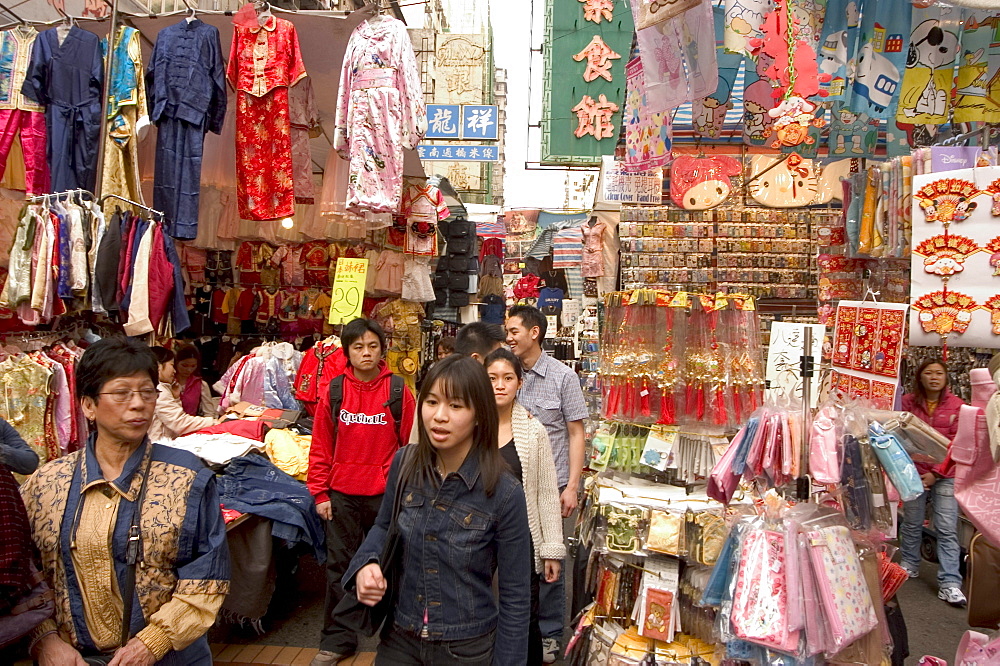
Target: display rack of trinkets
763,252
648,550
678,371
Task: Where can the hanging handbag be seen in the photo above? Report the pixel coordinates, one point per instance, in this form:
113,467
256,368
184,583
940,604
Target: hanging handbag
34,608
922,442
977,477
984,583
857,494
897,463
977,649
367,620
983,387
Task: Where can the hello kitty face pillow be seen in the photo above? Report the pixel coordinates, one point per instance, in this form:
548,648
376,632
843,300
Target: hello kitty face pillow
699,183
790,184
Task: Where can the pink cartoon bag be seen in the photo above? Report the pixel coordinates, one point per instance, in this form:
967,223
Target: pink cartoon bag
977,476
824,447
836,568
760,599
976,649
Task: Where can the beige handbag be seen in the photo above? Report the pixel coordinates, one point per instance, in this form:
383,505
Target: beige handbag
921,441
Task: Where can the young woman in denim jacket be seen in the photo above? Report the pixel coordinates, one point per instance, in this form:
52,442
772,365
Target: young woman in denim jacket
462,519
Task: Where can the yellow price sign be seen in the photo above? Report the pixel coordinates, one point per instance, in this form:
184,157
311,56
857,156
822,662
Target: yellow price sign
348,290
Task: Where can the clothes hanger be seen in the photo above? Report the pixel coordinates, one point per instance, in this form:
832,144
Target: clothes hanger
263,8
192,14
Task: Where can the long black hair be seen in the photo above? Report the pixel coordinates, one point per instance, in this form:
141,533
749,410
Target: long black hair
918,386
458,377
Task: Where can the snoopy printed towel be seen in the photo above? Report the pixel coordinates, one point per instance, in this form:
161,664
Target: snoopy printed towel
925,97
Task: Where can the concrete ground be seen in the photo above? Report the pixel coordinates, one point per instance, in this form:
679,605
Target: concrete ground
934,627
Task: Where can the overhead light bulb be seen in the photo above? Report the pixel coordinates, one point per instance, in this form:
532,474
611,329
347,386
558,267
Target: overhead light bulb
287,223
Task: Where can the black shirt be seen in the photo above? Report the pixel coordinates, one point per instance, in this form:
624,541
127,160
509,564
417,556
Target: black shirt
509,453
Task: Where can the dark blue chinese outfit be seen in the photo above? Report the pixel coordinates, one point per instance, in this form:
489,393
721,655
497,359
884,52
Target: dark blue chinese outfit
68,79
186,86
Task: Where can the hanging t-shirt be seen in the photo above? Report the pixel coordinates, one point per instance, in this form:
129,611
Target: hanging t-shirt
550,300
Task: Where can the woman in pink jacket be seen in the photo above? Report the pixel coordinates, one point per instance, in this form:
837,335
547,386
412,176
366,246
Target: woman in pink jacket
933,402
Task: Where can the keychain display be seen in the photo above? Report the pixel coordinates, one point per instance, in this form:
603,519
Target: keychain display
680,358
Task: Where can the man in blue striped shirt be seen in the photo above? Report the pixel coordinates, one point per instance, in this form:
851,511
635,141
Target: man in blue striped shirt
552,393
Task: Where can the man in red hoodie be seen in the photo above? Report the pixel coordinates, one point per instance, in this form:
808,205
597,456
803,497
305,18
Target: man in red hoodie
349,460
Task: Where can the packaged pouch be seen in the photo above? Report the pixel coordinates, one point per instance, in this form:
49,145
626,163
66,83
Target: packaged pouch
880,512
824,452
724,569
847,605
666,532
760,599
897,463
857,496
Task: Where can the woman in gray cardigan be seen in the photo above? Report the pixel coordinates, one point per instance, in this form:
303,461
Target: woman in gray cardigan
525,446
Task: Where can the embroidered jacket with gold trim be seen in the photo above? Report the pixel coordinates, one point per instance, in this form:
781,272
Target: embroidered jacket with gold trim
183,577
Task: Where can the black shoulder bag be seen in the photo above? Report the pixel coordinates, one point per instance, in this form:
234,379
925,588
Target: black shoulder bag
133,555
367,620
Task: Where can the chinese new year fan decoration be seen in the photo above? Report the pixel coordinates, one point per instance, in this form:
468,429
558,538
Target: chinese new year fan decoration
947,200
993,247
993,305
993,189
945,312
945,254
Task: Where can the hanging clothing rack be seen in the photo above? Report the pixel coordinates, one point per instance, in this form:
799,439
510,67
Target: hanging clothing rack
153,211
41,198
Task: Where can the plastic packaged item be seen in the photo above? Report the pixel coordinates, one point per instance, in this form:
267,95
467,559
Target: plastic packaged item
824,449
847,605
857,500
760,599
896,462
923,443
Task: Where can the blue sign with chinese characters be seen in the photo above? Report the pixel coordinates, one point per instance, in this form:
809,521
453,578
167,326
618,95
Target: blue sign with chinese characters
479,122
444,121
469,153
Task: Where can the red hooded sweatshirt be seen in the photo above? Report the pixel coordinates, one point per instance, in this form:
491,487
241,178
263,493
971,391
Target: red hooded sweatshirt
358,462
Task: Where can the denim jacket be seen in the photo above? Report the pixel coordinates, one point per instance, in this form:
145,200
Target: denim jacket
454,539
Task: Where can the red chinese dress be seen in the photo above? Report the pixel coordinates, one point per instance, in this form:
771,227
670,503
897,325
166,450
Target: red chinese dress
263,64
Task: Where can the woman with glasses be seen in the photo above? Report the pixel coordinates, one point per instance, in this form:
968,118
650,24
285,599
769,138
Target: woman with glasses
170,420
130,532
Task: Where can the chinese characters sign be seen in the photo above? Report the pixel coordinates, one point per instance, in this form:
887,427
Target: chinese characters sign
466,153
348,290
584,79
471,122
444,121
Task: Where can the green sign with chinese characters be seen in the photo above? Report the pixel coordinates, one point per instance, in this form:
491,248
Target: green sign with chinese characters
587,43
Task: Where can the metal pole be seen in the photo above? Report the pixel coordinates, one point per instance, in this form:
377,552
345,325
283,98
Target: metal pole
806,372
108,63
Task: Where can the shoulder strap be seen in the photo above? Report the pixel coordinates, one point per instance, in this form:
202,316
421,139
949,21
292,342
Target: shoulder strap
395,403
133,554
336,400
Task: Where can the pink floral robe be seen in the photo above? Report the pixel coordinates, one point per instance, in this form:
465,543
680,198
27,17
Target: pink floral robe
380,111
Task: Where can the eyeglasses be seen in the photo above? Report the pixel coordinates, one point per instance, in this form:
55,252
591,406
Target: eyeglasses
125,395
